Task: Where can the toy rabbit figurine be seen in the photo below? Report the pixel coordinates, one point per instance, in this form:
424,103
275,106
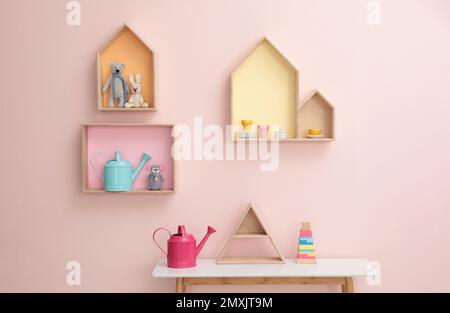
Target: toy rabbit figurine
136,99
155,179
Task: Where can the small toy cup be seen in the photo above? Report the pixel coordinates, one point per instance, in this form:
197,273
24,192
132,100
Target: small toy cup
246,124
263,131
314,132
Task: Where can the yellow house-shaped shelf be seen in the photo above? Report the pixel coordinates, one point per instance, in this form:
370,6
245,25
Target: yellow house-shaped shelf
127,48
264,89
316,112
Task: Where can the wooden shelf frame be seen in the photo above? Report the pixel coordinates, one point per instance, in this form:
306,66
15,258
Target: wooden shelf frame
250,227
148,72
315,111
85,161
250,235
285,140
268,55
307,112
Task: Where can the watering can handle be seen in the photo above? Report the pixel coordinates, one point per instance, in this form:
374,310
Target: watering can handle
93,164
154,240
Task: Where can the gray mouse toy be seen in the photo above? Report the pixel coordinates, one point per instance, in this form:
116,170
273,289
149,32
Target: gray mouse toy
155,179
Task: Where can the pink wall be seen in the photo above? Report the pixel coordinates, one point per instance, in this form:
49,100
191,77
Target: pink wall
383,185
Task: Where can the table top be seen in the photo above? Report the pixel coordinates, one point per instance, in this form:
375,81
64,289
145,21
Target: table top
323,268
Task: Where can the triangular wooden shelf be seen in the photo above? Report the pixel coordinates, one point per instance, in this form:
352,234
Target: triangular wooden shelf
250,227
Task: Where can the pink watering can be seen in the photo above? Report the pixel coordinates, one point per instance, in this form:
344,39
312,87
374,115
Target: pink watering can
181,247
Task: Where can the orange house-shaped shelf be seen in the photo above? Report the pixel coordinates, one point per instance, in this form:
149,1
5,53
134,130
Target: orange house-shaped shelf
127,48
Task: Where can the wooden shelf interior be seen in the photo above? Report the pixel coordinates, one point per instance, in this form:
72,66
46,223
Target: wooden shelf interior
127,48
250,227
265,90
100,141
316,112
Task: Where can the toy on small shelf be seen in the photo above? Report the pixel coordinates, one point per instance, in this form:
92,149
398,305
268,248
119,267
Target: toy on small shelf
118,86
155,179
136,99
247,131
306,251
263,131
314,133
247,124
118,174
280,134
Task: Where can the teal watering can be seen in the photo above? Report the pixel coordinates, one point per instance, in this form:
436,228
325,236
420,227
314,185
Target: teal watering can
118,174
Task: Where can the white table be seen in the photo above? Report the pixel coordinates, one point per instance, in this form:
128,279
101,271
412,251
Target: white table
207,272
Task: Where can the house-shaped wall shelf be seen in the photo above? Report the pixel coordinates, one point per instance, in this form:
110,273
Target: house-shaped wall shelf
316,112
127,48
264,89
101,141
250,227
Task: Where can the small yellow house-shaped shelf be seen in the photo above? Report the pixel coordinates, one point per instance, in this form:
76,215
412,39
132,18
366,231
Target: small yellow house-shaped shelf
264,89
127,48
315,112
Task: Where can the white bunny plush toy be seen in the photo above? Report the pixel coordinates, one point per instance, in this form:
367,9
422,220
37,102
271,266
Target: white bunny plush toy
136,100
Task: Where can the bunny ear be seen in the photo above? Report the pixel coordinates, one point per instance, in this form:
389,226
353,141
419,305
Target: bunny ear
138,78
131,78
161,167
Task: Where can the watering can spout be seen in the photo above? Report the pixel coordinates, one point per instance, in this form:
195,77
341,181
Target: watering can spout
200,245
138,169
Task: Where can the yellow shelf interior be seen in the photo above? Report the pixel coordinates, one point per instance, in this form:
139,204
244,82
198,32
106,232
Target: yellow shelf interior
265,90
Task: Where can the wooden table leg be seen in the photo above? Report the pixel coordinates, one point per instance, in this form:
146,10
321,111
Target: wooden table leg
349,284
180,287
344,286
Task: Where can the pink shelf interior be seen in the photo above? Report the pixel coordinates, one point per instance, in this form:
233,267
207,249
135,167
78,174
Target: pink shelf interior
131,141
